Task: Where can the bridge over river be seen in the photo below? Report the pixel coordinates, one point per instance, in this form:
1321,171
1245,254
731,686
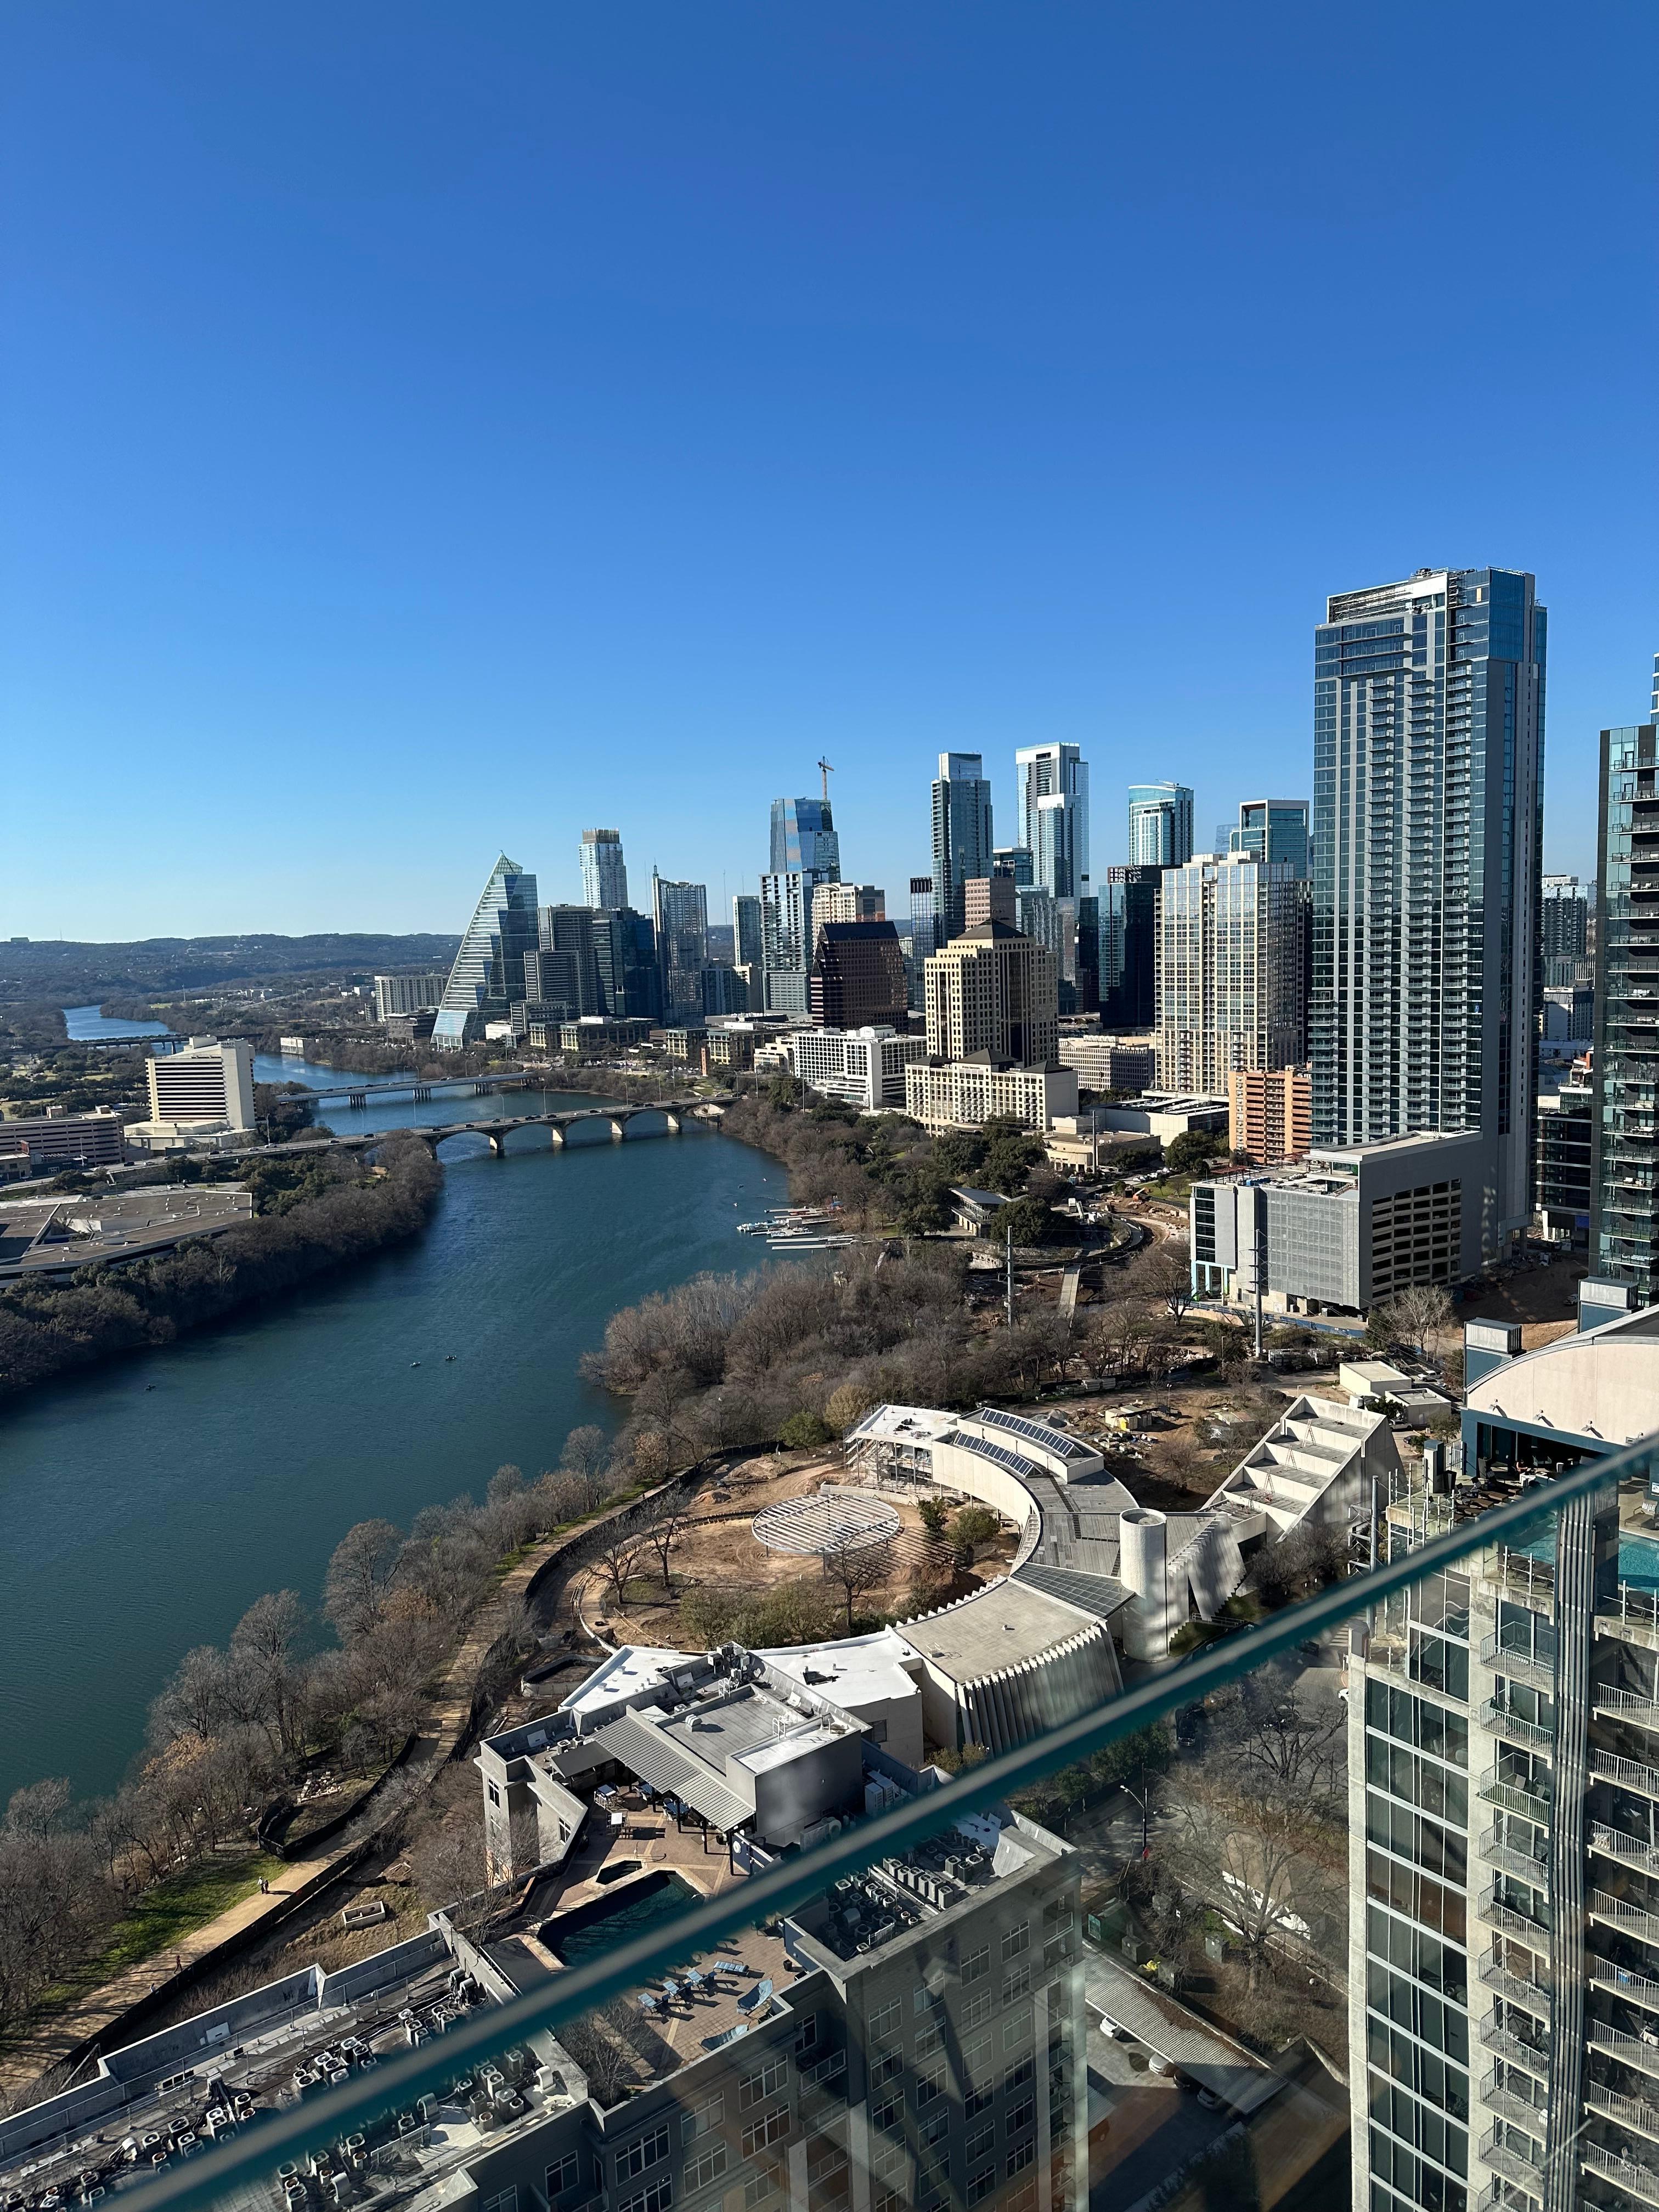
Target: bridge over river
497,1127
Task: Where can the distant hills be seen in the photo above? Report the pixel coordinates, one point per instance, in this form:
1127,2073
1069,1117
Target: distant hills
63,973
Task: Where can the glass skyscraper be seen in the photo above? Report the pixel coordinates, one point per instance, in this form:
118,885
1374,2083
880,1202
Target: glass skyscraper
1427,827
604,873
489,972
962,836
1624,1160
680,912
1052,795
804,839
1160,825
1272,829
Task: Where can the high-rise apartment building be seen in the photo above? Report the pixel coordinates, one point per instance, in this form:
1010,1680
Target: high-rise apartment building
1625,1231
206,1081
1271,829
1269,1114
488,973
630,975
1052,795
962,835
680,912
789,925
1014,862
992,991
604,873
858,977
406,995
1563,936
1230,972
804,839
848,902
1566,1151
1160,825
1127,941
746,933
1427,826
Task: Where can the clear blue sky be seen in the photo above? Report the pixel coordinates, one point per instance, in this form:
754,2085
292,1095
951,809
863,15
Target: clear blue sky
431,428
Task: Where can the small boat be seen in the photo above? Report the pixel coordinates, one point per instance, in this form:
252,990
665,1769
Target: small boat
414,1363
449,1358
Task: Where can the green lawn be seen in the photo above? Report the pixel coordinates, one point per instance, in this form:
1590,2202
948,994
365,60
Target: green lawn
176,1907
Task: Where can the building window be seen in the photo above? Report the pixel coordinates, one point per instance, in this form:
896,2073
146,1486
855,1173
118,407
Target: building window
700,2117
700,2171
495,1794
506,2201
564,2175
1016,1941
768,2129
644,2151
981,2141
1015,1984
976,1964
759,2186
884,2020
1017,2160
755,2088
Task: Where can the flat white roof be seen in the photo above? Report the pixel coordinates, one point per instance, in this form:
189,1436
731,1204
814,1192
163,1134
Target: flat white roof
915,1424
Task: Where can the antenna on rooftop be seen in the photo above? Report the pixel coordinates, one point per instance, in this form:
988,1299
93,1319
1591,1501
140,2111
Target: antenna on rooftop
827,772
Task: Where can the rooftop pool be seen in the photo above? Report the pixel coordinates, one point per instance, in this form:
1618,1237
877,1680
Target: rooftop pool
605,1921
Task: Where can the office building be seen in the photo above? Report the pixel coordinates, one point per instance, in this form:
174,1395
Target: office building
630,975
1567,1018
1160,825
562,972
202,1092
599,1033
725,991
1269,1114
1503,1972
1347,1230
1427,822
488,973
858,977
57,1139
990,898
863,1067
1111,1063
1566,1145
1087,954
968,1093
835,901
1230,937
746,932
680,913
604,873
1270,829
1564,932
1624,1235
1014,861
991,990
1126,938
789,918
803,840
962,837
924,938
1051,785
406,995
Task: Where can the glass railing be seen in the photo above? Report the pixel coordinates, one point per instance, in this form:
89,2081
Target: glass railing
801,1946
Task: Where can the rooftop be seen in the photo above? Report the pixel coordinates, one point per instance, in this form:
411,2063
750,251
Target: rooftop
1005,1624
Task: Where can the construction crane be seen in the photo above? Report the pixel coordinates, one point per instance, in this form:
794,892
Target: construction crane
826,772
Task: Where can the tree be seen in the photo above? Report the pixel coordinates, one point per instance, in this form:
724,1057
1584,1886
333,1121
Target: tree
1420,1314
934,1512
663,1526
586,1454
857,1570
1028,1221
359,1576
847,1407
1167,1276
616,1559
804,1431
1193,1150
974,1529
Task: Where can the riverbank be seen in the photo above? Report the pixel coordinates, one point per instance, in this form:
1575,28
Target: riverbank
49,1330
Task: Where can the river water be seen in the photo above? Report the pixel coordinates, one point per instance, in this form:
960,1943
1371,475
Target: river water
145,1505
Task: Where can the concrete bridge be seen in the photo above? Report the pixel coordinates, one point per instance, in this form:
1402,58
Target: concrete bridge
481,1086
498,1128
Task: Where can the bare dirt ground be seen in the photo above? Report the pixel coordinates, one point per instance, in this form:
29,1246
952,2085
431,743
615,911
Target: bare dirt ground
1544,1300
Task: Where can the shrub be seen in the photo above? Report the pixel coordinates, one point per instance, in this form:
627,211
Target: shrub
804,1431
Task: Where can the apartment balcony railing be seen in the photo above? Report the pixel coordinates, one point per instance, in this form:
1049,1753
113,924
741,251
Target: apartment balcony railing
1640,1988
1514,2165
1514,1857
1618,1913
1641,2052
1529,1734
1625,1705
1628,1773
1496,1912
1501,2196
1633,1612
1501,2039
1529,1994
1528,1666
1628,2111
1616,1844
1532,1579
1529,1799
1500,2097
1640,2181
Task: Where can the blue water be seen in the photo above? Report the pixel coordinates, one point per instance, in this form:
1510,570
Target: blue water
147,1504
1638,1556
86,1025
591,1928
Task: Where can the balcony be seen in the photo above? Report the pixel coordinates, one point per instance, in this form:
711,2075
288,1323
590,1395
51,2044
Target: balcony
1503,2098
1529,1734
1515,1794
1641,2182
1624,1983
1627,2111
1625,1705
1497,1913
1529,1994
1628,1773
1501,2039
1616,1844
1501,2196
1515,1858
1641,2052
1618,1914
1511,2163
1524,1665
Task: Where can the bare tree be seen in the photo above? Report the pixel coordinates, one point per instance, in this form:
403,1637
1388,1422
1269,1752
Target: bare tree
359,1576
586,1454
1419,1316
1166,1275
618,1558
663,1526
857,1569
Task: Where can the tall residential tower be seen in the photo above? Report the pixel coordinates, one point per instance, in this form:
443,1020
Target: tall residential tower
1052,795
1160,825
605,874
1427,827
962,836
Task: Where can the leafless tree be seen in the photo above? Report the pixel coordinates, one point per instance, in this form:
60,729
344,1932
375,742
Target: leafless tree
1166,1275
663,1526
856,1570
616,1559
1420,1315
359,1576
586,1454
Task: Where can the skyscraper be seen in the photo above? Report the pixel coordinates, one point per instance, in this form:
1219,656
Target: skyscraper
962,835
788,928
1230,972
1160,825
804,838
746,932
1427,827
1128,938
993,992
1271,829
1565,931
681,913
1052,795
858,977
630,976
605,874
488,973
1624,1224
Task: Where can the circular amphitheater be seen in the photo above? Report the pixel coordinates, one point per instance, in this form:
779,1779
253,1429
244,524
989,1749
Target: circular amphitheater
830,1520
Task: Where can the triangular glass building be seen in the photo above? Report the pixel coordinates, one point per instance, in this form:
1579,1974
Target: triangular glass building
488,970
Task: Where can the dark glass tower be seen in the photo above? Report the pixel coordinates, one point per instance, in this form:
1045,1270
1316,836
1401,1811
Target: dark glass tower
1427,828
1127,937
962,836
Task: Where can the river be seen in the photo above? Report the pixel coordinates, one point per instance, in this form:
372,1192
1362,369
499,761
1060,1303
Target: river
148,1503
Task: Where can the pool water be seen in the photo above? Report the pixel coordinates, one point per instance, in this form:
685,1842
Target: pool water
1638,1556
605,1921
